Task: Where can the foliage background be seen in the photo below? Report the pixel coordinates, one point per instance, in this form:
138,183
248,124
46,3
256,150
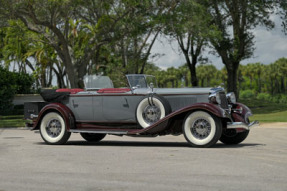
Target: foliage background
10,84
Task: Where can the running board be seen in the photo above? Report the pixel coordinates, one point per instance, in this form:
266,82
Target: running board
99,131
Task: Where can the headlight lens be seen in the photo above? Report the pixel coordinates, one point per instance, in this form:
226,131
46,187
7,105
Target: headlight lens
231,97
214,98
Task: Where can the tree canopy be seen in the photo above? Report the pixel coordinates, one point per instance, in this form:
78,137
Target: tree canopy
71,38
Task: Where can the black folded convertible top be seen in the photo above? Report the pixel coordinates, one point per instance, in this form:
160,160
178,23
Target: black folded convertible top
53,96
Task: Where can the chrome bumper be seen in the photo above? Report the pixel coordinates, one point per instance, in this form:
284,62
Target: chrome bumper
241,125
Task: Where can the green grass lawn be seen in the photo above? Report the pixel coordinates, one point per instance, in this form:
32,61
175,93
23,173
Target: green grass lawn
266,111
270,117
12,121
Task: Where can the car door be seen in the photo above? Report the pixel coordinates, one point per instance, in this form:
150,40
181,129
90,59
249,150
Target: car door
81,105
117,108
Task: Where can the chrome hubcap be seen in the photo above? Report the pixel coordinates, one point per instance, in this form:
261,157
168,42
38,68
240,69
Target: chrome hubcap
151,114
54,128
201,128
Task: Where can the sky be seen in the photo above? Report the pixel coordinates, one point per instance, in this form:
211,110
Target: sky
269,46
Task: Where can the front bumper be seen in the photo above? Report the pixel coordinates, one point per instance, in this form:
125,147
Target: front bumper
241,125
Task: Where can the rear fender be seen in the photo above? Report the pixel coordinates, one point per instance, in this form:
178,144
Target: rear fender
65,112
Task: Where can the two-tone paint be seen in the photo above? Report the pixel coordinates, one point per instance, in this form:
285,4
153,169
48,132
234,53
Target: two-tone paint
114,113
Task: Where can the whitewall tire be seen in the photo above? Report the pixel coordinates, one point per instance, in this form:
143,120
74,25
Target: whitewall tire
202,129
151,109
53,129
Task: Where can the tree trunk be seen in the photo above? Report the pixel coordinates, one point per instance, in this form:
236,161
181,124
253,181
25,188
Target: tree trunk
192,69
186,81
282,85
232,68
259,84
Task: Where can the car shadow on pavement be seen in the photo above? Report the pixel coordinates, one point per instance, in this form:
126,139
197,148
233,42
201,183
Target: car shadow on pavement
241,145
150,144
129,144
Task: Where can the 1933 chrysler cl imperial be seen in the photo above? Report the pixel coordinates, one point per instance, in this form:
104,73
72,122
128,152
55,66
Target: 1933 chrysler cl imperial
203,115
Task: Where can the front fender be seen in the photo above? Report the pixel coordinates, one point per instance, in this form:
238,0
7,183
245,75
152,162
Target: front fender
163,123
240,116
65,112
241,113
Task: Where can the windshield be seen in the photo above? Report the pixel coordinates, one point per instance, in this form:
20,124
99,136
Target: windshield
141,81
94,82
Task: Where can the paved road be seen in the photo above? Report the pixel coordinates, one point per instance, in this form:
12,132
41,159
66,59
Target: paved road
126,163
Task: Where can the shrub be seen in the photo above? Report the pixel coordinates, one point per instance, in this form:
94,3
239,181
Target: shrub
24,83
264,96
283,99
247,94
7,89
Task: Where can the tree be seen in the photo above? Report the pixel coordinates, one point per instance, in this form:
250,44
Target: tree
27,50
207,73
283,14
80,31
53,19
142,27
2,36
281,65
231,31
187,25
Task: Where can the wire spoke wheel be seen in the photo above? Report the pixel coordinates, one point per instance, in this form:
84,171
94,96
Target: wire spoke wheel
151,114
53,129
201,129
151,109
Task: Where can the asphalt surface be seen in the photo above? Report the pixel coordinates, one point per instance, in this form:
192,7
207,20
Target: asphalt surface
127,163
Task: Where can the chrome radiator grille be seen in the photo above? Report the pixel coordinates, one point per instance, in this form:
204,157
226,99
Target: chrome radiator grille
224,103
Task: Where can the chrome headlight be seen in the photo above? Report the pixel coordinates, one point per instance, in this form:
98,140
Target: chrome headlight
231,98
214,98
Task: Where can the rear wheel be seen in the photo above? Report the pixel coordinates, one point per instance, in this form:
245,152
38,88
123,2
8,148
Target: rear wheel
93,137
230,137
201,129
53,129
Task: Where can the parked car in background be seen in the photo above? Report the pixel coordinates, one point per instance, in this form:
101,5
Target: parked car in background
202,115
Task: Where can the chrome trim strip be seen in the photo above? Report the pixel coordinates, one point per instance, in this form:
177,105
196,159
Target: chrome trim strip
237,125
32,116
99,131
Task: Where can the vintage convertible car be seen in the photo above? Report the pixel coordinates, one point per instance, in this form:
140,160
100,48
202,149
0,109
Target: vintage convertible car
203,115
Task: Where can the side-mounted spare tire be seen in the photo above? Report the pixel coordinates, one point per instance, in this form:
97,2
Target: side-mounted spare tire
151,109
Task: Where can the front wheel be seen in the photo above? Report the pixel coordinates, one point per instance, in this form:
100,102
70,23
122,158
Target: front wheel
53,129
231,137
201,129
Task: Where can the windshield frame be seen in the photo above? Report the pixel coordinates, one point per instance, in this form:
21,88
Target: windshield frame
140,81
